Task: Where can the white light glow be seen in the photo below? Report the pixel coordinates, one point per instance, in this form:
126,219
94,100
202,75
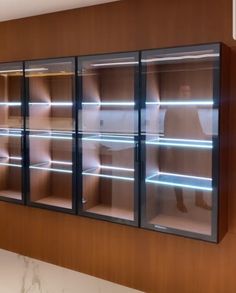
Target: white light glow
108,176
59,104
50,169
205,144
10,134
176,58
51,136
150,180
10,165
15,158
186,140
10,104
107,140
108,104
179,185
181,103
115,63
12,129
21,70
184,176
61,162
116,168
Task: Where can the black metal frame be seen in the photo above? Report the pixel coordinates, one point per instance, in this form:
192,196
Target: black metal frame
72,210
81,212
140,152
215,151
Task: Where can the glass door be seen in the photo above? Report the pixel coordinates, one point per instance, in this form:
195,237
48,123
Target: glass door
50,130
108,136
11,131
180,140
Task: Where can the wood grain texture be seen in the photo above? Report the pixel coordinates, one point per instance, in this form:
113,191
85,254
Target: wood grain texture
149,261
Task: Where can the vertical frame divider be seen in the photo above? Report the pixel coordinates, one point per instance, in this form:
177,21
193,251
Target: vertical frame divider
79,93
142,204
75,141
25,150
139,165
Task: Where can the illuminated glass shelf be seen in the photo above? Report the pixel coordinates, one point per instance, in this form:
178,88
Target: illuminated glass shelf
179,180
182,103
11,161
109,104
54,166
60,135
11,132
110,172
10,104
53,104
185,143
109,138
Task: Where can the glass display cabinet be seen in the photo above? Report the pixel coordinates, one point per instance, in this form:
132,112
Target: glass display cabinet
50,125
108,136
11,132
181,141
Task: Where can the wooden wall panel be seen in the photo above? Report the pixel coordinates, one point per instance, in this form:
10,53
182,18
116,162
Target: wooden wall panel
149,261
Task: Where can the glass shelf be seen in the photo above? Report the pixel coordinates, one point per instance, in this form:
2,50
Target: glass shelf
179,180
12,161
52,104
172,103
111,172
177,142
109,104
54,135
109,138
53,166
11,132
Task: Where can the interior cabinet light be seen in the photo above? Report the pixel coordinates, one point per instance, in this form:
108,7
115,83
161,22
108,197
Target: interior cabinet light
108,103
10,134
62,104
107,140
205,144
114,63
176,58
21,70
108,176
10,104
184,176
61,162
15,158
51,169
51,136
116,168
10,165
178,184
181,103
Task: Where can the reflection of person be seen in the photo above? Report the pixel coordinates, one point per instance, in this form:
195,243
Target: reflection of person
183,122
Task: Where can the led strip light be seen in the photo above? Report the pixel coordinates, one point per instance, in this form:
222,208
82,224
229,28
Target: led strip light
186,57
108,103
182,103
205,144
150,180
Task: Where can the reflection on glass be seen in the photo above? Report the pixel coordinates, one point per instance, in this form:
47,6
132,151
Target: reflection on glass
11,123
108,124
51,94
180,123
